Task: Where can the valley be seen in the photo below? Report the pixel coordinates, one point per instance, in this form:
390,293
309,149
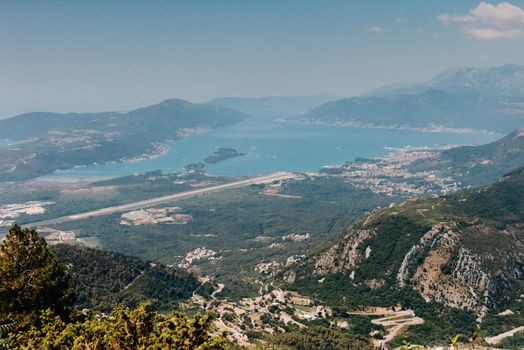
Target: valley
262,175
376,237
241,262
164,199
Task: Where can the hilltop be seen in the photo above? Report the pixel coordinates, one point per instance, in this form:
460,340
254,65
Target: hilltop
507,79
432,110
477,165
460,255
45,142
104,279
467,98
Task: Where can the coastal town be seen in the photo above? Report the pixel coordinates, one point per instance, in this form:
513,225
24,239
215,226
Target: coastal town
391,174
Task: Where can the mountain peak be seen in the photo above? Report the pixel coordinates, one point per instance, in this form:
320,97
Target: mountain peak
174,102
507,79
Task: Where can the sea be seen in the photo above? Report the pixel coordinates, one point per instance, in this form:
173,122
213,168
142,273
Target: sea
272,146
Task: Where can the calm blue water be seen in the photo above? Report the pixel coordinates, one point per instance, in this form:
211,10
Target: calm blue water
275,146
4,142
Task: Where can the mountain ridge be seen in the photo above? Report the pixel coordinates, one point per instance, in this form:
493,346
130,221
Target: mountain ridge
105,279
466,98
53,141
477,165
465,250
273,106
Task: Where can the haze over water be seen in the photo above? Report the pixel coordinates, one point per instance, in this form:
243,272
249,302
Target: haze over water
276,146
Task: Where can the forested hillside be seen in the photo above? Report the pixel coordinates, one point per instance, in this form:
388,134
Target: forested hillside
477,165
37,304
106,279
49,141
459,252
431,109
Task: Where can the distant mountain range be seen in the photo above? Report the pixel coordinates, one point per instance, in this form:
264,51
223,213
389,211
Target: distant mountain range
51,141
503,80
156,122
489,99
273,106
469,98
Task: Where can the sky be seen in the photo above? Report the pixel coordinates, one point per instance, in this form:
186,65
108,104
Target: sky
88,56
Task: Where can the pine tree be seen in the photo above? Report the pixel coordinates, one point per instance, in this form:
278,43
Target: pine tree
31,278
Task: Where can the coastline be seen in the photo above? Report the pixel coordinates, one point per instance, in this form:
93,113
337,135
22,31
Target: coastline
428,129
159,149
100,172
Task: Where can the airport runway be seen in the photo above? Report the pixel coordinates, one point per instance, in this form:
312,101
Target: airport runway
164,199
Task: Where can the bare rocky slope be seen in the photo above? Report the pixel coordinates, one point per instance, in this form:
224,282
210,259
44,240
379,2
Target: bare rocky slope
464,251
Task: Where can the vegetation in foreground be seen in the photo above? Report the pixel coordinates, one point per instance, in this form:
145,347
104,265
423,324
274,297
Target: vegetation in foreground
36,309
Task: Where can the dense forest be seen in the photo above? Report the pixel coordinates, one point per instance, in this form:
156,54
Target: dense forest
105,279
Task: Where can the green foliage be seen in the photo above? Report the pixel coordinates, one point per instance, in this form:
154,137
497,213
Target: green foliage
31,278
321,338
340,292
454,341
5,329
395,236
224,222
406,345
124,329
495,324
105,279
468,164
481,219
512,343
116,135
36,291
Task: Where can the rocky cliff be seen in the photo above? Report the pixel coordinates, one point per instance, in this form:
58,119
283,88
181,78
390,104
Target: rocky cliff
464,250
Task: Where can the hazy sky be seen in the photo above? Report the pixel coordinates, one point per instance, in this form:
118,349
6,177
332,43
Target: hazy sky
117,55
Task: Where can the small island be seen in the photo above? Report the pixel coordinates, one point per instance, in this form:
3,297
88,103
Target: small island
223,154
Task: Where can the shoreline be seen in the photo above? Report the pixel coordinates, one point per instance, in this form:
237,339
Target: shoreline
69,175
84,178
429,129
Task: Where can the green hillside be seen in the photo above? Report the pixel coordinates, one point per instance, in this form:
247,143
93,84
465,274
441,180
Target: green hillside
49,141
106,279
452,259
430,109
477,98
477,165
